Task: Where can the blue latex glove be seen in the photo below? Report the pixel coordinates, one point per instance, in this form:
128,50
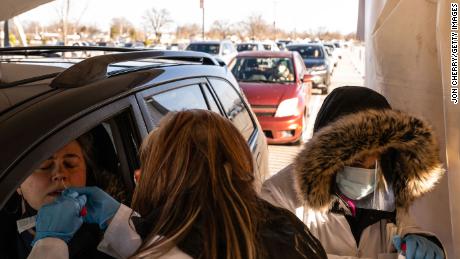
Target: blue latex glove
61,218
418,247
101,207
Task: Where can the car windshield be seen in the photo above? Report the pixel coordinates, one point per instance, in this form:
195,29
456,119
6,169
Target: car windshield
310,52
244,47
264,69
207,48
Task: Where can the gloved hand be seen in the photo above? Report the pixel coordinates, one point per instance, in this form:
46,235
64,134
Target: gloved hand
418,247
61,218
101,207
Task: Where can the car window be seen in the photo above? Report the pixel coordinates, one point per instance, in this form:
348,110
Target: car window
234,107
247,47
263,69
313,52
186,97
70,158
212,49
211,101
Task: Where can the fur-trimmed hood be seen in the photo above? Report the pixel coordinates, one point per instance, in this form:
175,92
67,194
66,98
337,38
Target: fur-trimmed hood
415,168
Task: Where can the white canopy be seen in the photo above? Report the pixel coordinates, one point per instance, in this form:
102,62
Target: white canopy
11,8
408,60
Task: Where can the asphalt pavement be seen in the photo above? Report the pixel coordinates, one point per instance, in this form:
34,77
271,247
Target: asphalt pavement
344,74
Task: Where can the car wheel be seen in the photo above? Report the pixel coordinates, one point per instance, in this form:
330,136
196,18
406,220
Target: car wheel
324,90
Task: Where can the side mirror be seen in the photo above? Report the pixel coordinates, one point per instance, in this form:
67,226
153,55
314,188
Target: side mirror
225,52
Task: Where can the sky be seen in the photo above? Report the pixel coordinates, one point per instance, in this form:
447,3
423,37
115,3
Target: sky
298,15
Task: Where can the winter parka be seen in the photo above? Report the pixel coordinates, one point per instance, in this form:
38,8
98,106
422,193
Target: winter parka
409,161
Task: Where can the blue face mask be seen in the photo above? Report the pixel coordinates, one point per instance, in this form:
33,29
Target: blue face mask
356,183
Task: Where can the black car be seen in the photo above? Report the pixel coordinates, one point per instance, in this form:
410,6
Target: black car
47,100
315,58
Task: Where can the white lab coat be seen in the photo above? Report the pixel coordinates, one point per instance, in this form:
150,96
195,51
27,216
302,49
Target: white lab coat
120,241
334,233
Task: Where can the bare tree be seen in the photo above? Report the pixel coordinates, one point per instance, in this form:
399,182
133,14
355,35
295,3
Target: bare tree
32,27
188,31
63,9
240,30
219,30
257,27
157,19
120,26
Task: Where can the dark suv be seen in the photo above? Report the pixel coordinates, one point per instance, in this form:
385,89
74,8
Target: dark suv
48,98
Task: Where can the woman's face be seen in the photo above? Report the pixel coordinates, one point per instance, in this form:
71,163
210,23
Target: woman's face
65,168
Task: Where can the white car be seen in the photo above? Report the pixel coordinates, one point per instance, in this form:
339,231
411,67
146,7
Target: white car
224,50
249,46
334,55
270,45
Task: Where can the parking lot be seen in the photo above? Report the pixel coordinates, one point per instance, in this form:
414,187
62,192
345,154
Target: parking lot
346,73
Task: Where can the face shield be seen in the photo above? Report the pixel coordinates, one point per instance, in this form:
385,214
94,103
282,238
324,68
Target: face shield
365,188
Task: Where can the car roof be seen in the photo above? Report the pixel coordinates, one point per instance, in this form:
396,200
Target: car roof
53,107
266,53
207,42
249,42
304,44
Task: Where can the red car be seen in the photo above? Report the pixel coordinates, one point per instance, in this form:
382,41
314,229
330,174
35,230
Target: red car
278,88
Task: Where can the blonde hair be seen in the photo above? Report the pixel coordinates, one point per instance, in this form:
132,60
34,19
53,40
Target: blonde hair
198,169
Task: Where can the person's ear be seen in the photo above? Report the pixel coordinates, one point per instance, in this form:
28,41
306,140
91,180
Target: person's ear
19,191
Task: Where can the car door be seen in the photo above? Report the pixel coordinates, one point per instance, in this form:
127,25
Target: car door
237,110
301,70
113,131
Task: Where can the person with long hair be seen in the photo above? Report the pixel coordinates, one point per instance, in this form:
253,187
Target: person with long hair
195,199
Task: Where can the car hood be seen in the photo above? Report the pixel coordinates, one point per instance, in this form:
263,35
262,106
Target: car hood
11,8
314,62
267,93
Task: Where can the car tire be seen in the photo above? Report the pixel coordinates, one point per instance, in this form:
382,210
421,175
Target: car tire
324,90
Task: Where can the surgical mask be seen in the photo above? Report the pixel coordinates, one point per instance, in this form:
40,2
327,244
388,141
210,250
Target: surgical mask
356,183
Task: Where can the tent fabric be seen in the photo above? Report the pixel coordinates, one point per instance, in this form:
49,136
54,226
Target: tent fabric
403,62
11,8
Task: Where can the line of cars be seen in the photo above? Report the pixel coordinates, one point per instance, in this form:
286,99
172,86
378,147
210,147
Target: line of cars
277,84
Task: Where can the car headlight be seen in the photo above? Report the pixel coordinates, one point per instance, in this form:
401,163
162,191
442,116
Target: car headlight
322,67
288,107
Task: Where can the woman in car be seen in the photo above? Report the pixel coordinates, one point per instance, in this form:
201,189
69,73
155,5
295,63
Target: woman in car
196,199
71,166
358,175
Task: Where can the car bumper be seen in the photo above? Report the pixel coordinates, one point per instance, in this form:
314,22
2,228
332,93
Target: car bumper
279,130
319,78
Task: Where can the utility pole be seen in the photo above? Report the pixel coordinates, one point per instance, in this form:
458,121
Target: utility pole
202,25
274,19
6,37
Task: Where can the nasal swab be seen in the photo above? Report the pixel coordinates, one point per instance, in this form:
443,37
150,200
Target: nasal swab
83,211
63,183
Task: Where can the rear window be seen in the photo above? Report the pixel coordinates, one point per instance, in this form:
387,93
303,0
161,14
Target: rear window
315,52
212,49
270,70
245,47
